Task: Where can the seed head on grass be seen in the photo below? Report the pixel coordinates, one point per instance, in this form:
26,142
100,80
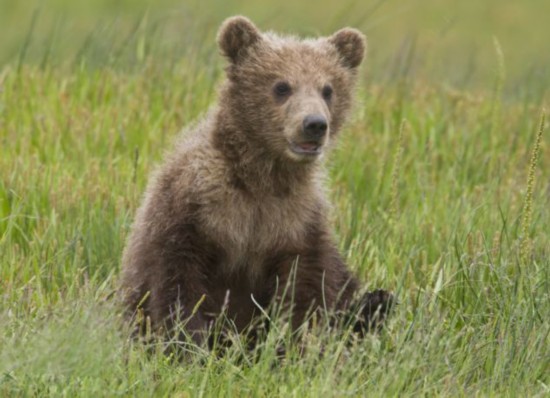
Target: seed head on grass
525,242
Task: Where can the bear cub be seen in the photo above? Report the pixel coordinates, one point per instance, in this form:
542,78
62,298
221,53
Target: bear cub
236,217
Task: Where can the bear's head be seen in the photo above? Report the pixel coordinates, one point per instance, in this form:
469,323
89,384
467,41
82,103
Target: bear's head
288,95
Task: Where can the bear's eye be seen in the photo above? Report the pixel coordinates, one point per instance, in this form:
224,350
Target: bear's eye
327,92
282,89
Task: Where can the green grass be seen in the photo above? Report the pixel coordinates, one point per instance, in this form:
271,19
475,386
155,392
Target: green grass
452,213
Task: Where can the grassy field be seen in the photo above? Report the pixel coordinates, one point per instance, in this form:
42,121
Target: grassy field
451,212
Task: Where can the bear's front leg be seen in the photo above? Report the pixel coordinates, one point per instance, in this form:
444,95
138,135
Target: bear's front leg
317,280
165,278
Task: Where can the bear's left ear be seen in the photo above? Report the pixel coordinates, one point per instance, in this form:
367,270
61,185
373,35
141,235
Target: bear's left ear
236,36
351,45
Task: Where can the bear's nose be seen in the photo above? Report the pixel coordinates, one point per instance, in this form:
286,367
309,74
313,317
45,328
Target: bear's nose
315,126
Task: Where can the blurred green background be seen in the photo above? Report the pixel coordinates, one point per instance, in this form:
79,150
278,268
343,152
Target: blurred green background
451,212
447,41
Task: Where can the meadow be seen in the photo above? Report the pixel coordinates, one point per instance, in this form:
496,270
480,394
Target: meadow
440,185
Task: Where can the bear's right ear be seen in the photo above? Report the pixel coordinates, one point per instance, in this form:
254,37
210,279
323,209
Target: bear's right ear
351,45
236,36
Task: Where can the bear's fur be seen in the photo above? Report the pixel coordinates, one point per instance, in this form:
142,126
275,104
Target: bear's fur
241,200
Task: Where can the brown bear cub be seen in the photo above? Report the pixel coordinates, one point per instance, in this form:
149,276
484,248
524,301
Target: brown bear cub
236,218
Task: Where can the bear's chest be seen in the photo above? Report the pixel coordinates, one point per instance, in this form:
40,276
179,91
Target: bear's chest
251,231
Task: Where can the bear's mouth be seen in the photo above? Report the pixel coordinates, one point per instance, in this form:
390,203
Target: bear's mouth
311,148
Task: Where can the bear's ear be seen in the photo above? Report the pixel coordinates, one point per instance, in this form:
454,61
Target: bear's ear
236,36
351,45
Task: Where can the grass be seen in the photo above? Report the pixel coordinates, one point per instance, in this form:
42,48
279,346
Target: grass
450,209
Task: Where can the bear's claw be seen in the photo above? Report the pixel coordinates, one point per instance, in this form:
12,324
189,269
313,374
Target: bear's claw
374,308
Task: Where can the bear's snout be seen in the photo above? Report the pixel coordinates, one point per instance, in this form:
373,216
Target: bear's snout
314,127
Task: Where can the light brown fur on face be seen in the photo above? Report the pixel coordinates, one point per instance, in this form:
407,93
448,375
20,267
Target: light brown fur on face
307,66
235,206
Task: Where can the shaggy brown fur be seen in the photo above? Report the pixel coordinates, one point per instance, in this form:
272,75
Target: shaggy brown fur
241,199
